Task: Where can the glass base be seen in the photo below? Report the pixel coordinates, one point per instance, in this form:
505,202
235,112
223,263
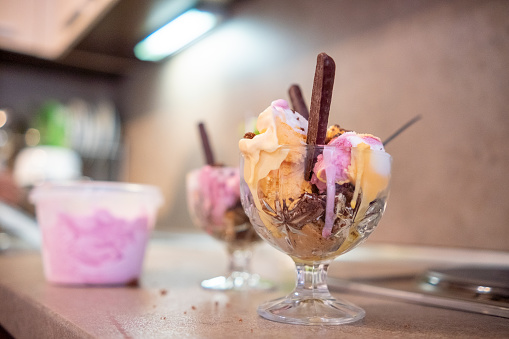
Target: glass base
237,281
311,311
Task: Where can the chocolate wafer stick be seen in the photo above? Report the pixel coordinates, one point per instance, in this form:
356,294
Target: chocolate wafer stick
297,100
320,106
209,156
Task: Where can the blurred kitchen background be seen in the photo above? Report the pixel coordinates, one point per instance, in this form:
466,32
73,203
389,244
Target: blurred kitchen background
69,79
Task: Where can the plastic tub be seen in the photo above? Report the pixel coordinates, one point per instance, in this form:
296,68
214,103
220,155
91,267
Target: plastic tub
94,232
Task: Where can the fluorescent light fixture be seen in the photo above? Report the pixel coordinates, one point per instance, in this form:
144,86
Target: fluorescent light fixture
175,35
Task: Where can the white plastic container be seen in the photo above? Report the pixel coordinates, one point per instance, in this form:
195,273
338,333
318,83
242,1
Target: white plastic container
94,232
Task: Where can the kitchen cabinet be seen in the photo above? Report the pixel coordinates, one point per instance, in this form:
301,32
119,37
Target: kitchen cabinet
47,28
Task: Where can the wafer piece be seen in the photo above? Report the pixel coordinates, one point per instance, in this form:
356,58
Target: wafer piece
320,106
209,156
298,103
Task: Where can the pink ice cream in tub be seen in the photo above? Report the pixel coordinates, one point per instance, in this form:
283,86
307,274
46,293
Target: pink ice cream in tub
94,232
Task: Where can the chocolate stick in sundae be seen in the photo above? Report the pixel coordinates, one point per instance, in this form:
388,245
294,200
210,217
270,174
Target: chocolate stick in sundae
320,105
209,156
297,101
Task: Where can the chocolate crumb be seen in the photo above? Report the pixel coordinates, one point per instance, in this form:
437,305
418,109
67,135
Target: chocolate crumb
163,292
193,307
240,320
133,283
249,135
185,312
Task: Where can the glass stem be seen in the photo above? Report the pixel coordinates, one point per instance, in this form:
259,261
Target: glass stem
312,281
240,259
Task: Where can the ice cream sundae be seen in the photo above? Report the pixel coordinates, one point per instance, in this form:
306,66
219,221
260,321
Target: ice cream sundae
213,195
321,217
213,200
313,192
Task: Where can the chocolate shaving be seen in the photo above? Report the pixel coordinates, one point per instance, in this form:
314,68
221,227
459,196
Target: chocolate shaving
320,106
209,156
297,101
308,209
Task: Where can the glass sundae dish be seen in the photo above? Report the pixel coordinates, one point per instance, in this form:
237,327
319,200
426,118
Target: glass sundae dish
213,200
316,222
313,193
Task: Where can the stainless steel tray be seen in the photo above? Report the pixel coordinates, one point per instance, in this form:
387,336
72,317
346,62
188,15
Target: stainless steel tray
480,289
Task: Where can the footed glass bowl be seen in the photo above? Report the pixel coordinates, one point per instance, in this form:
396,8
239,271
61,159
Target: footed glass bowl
314,219
213,200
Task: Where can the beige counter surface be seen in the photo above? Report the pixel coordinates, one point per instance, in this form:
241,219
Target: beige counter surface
169,303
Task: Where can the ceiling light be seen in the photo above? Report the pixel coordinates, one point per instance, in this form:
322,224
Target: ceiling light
175,35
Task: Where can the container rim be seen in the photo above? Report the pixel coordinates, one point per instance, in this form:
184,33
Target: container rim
91,186
322,147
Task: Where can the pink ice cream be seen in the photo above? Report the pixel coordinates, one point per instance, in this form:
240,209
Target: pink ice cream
216,189
342,159
336,167
94,233
94,249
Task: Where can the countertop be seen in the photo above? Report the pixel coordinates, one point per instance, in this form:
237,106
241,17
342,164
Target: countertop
169,302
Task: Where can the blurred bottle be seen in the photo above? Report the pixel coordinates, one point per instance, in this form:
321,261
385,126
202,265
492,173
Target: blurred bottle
51,121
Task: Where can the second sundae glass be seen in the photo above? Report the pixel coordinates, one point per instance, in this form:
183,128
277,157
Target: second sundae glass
213,199
315,220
